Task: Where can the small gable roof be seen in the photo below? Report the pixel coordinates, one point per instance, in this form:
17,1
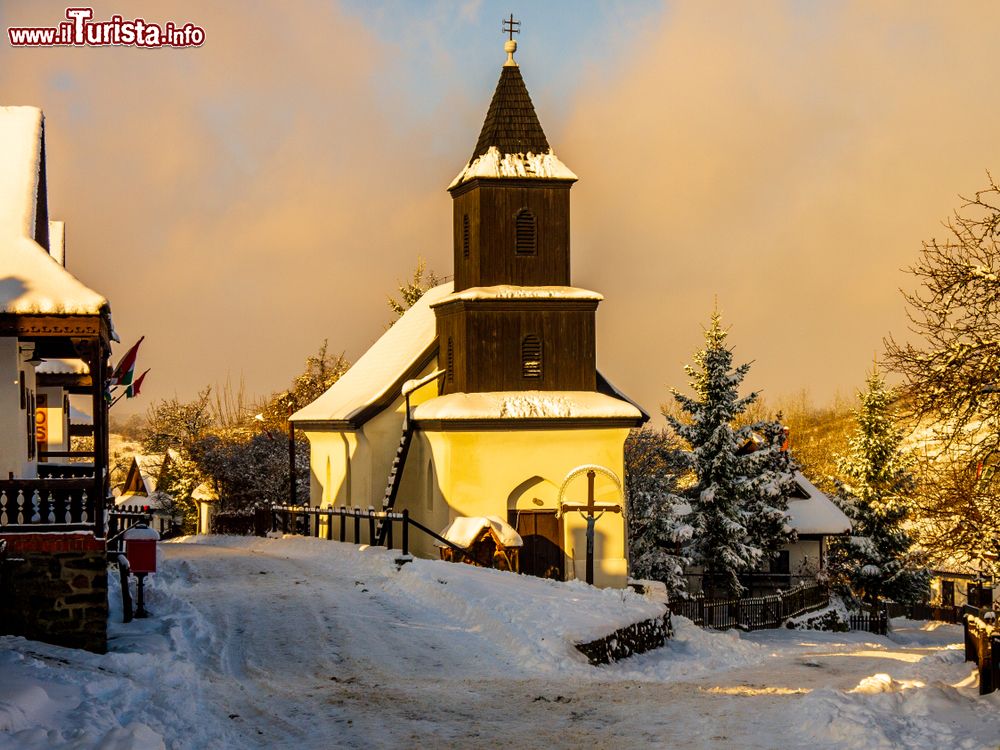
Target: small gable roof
375,379
816,513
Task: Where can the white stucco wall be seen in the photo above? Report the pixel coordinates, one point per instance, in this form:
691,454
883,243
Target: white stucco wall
13,419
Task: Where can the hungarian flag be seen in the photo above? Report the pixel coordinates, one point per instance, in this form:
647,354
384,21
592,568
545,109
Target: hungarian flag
125,369
133,390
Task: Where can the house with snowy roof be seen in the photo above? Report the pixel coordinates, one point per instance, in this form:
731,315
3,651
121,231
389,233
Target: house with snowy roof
55,340
484,399
815,519
141,490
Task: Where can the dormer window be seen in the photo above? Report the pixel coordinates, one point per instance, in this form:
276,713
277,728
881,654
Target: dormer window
524,233
531,357
465,236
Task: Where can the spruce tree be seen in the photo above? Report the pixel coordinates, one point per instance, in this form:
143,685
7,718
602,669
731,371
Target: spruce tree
738,498
878,561
654,464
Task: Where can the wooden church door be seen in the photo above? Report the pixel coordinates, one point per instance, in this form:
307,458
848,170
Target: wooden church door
542,553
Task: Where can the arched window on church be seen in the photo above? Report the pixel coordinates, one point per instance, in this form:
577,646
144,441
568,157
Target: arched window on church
524,233
450,366
465,236
531,357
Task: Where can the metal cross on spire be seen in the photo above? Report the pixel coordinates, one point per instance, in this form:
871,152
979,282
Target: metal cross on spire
511,27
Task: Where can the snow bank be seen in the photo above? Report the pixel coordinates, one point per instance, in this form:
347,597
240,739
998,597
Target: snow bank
533,622
145,688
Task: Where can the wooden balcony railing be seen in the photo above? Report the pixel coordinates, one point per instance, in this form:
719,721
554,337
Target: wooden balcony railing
40,505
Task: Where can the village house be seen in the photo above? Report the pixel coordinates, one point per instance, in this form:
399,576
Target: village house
55,340
484,399
815,519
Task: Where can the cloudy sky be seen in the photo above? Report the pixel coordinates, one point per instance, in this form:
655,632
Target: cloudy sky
240,202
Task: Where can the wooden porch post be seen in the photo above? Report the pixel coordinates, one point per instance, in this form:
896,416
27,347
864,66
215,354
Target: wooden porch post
98,374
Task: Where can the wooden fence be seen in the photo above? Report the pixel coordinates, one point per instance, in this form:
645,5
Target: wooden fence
40,505
870,622
982,645
751,613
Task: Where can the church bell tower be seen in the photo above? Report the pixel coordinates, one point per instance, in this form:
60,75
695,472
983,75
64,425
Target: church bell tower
514,323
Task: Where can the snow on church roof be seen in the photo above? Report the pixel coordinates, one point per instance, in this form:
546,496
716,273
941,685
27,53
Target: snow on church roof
506,291
31,281
525,405
373,376
512,143
528,165
816,514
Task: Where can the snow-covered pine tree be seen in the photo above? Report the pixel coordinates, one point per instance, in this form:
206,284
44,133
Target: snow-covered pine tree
770,476
878,561
654,464
737,499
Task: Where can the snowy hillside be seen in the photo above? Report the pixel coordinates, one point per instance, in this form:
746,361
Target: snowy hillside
302,643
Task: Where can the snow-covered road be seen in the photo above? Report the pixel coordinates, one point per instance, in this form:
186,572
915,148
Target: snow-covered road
300,643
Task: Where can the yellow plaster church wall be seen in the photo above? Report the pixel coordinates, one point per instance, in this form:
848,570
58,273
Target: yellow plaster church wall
494,473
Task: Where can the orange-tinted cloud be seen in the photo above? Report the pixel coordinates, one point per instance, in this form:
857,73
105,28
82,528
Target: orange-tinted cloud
787,157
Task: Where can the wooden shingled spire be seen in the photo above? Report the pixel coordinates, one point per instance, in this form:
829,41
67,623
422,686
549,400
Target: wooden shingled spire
511,123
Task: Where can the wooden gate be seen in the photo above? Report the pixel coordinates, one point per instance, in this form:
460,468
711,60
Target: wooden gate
542,554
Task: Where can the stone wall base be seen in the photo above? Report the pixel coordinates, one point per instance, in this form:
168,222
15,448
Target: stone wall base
54,588
632,639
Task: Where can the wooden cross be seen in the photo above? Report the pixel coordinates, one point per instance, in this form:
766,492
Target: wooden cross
588,510
511,27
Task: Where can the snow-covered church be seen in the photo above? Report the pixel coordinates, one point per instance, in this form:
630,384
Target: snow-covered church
484,398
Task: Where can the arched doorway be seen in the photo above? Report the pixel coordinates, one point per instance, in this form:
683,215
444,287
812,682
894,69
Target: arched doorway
531,509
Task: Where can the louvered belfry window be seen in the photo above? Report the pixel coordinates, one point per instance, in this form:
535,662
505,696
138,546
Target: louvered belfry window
465,236
524,233
450,367
531,357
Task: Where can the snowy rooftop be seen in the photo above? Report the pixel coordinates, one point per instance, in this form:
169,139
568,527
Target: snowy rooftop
512,143
505,291
493,164
372,378
526,405
63,367
32,281
464,530
816,514
78,416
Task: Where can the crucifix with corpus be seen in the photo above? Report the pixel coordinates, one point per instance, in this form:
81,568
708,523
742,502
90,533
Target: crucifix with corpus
588,511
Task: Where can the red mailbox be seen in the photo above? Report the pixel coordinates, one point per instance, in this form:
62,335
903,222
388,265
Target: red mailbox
140,548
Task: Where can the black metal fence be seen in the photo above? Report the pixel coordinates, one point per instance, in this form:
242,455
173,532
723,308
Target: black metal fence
354,525
982,645
751,613
121,520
